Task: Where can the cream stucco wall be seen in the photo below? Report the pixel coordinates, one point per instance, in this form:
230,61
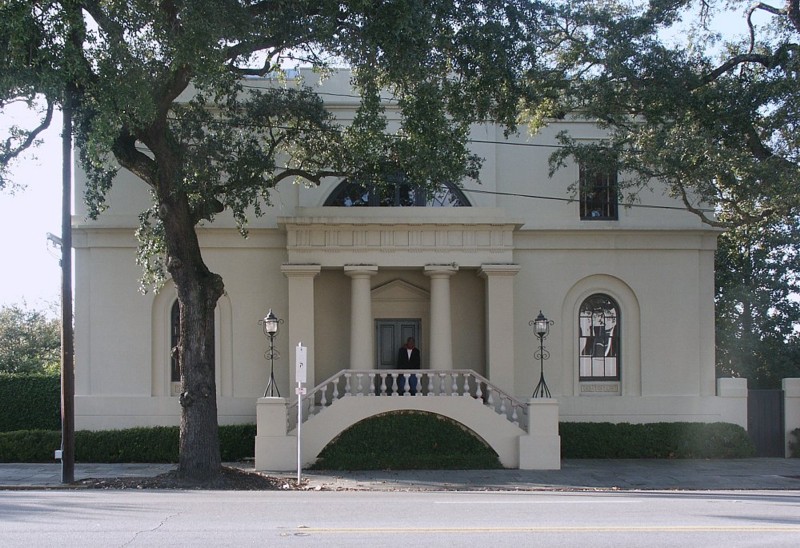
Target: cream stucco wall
656,262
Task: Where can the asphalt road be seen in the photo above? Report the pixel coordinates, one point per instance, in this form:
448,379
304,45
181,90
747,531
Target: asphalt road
89,518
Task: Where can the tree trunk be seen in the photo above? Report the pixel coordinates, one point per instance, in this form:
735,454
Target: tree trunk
198,292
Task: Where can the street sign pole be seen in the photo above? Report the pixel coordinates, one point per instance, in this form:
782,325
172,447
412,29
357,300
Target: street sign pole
301,378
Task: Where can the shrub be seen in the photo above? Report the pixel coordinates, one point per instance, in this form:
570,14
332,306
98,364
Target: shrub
686,440
407,440
30,402
29,445
152,444
794,446
237,442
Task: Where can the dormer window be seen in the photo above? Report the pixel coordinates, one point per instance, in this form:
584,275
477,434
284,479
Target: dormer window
598,194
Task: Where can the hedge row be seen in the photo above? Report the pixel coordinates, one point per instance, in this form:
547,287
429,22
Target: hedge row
30,402
383,442
155,444
662,440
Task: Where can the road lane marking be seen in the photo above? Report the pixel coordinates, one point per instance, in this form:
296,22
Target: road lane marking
547,502
565,529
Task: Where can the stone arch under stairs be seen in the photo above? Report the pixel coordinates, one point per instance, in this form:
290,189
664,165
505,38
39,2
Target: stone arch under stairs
500,434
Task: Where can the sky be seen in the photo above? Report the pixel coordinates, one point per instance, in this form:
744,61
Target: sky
31,272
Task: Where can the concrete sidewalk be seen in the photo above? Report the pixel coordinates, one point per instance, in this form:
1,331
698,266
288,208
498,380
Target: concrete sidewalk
733,474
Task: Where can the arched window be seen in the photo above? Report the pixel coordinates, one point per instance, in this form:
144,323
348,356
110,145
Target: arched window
599,339
395,194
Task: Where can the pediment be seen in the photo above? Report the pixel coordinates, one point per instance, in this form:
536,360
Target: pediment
399,291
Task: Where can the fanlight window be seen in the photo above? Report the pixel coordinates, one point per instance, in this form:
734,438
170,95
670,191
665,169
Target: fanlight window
401,194
598,339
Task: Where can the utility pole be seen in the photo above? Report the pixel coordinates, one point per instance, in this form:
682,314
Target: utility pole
67,335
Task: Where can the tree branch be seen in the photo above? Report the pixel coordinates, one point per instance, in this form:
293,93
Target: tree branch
114,30
701,213
767,61
138,163
314,177
9,151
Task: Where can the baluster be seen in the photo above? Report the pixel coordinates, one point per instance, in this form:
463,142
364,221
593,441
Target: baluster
442,388
454,389
335,389
514,416
490,399
418,383
371,384
394,384
478,391
383,384
502,405
347,384
467,388
358,384
323,400
406,384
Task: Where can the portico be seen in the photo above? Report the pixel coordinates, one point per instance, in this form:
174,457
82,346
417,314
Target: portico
418,269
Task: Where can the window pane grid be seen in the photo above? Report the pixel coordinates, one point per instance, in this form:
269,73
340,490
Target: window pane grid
598,194
598,339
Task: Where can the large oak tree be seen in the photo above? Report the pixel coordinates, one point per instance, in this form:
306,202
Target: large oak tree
708,104
123,65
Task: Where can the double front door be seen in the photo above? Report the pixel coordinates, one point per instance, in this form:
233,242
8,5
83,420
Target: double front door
390,335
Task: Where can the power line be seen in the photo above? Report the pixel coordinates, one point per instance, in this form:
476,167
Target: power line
559,199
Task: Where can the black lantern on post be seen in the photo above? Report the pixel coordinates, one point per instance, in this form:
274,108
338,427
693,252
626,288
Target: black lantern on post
541,328
271,324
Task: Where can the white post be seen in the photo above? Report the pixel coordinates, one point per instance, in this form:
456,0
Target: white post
301,370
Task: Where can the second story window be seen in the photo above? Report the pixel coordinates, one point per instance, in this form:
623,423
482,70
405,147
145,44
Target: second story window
598,194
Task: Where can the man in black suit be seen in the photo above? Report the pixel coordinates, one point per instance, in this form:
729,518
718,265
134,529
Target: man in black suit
408,358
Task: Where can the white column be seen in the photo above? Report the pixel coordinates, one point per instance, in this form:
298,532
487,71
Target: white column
500,359
362,338
301,316
440,340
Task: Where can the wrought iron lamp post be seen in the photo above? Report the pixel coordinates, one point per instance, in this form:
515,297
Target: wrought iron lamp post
541,327
271,323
